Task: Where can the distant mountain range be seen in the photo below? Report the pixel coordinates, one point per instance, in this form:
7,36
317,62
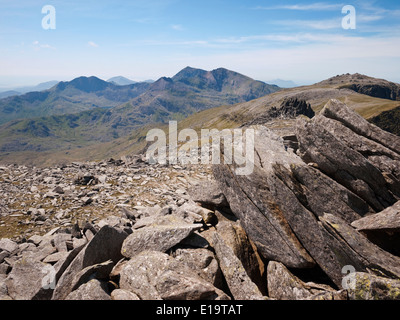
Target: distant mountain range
88,118
122,81
80,94
26,89
283,83
89,110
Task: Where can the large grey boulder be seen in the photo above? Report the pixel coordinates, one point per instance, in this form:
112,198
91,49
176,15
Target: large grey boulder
92,290
343,164
201,261
264,222
388,219
8,245
120,294
239,283
99,271
154,275
30,279
236,238
354,249
161,236
282,203
208,194
341,112
365,286
105,245
385,159
283,285
279,213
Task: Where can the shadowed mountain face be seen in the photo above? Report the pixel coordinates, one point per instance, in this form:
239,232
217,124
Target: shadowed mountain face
89,110
388,121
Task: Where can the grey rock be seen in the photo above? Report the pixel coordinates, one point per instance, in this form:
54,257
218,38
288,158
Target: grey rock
41,252
365,286
239,283
99,271
236,238
86,179
76,243
8,245
154,275
283,285
120,294
343,164
55,257
352,248
208,194
106,245
3,255
380,156
388,219
322,194
264,224
333,147
58,190
3,286
192,213
338,295
26,281
62,264
4,268
113,221
60,241
273,208
203,262
116,271
341,112
26,246
35,239
93,290
195,240
158,237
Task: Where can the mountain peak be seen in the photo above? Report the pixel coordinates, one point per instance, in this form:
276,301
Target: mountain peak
188,72
86,84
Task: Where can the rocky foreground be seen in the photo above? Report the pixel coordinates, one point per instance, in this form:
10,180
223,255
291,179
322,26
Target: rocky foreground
318,219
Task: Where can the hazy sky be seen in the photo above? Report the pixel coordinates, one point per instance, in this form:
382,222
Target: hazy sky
301,40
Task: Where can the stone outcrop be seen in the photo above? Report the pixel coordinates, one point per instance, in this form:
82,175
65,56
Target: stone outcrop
298,207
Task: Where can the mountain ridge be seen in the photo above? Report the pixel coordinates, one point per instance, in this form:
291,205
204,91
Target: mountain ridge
100,133
154,103
67,97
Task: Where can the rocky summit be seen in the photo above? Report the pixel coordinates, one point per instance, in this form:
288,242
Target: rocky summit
317,219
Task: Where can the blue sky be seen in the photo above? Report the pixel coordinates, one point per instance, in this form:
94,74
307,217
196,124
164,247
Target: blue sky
299,40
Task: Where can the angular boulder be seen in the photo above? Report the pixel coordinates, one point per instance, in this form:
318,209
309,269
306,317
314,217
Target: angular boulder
30,279
201,261
105,245
154,275
92,290
365,286
388,219
158,237
283,285
239,283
